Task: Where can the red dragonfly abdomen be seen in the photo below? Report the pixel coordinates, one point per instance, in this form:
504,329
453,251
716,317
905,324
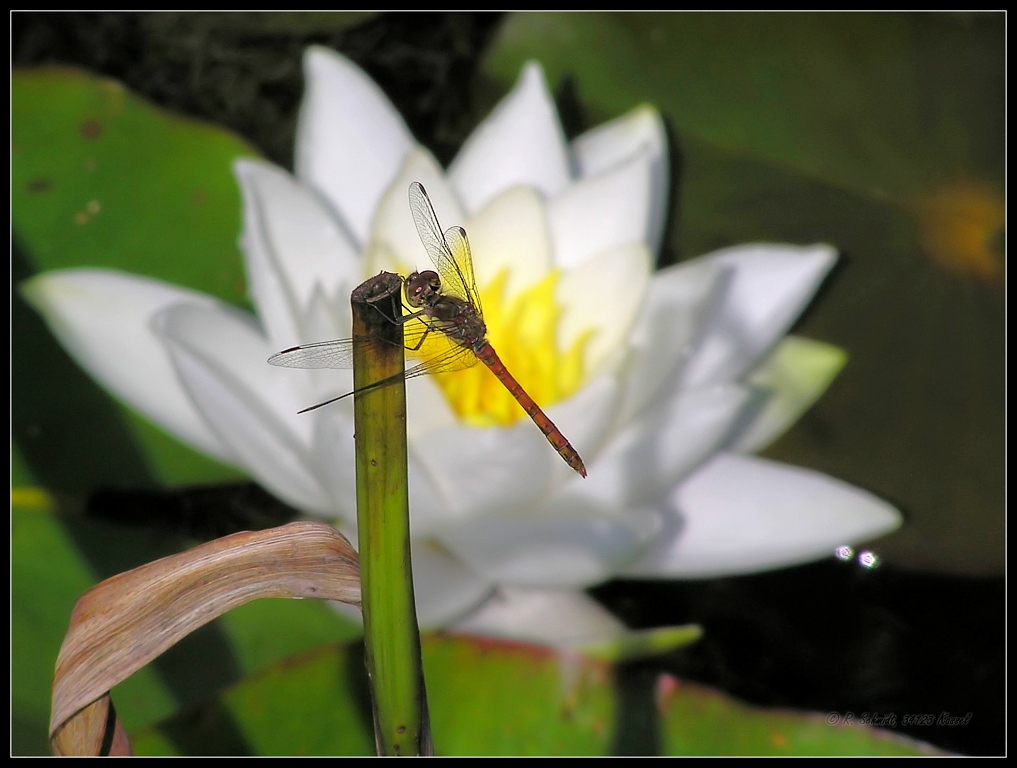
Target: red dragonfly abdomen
485,352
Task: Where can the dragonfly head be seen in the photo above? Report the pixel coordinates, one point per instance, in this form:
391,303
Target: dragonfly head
422,287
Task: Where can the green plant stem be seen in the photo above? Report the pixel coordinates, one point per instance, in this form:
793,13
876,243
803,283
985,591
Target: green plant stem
391,637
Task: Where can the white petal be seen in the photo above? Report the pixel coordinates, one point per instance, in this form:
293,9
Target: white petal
566,545
653,451
294,248
511,235
603,212
520,142
428,506
334,459
394,229
792,377
769,286
552,617
603,295
427,408
443,588
351,141
219,357
665,330
327,317
477,471
587,420
636,132
742,514
335,462
102,318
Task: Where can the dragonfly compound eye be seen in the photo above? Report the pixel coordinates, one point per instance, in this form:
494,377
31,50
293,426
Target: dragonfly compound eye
416,287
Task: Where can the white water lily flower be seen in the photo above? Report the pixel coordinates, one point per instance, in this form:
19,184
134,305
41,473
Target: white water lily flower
664,382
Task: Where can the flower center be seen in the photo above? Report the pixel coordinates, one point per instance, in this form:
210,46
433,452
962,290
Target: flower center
523,331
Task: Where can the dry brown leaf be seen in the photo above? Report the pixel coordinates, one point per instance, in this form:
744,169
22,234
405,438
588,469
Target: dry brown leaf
123,623
94,730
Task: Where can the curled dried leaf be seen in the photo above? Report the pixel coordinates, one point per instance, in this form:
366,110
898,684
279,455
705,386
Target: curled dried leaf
93,730
123,623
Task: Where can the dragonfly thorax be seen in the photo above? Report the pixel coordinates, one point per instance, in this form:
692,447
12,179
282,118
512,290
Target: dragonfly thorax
451,315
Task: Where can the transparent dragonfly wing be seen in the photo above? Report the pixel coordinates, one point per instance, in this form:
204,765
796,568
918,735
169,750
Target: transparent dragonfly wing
321,354
460,269
437,352
422,338
449,252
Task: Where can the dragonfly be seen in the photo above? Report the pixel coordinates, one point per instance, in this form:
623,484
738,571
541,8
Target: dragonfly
445,311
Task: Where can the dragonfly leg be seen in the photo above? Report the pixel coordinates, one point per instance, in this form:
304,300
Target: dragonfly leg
403,319
420,341
374,303
412,316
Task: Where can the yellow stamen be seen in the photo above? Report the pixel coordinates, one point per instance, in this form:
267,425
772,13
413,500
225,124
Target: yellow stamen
523,331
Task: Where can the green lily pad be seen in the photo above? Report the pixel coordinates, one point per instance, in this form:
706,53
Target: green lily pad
869,102
699,721
494,698
485,698
489,697
47,575
21,475
881,134
101,178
